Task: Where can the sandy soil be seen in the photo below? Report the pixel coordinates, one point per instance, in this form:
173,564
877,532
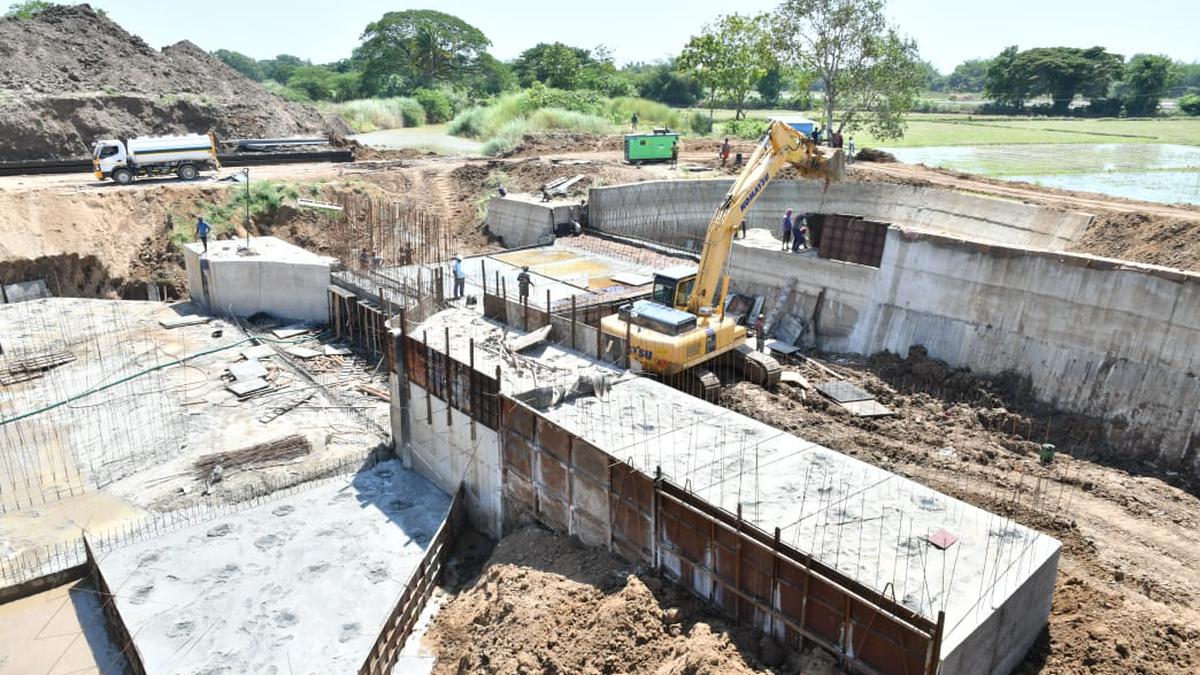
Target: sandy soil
1129,577
545,604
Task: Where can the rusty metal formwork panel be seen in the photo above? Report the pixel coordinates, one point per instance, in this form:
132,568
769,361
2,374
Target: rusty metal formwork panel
851,239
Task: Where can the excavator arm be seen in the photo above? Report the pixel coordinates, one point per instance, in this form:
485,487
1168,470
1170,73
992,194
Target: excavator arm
781,146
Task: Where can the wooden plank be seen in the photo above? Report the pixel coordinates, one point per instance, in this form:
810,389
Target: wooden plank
530,339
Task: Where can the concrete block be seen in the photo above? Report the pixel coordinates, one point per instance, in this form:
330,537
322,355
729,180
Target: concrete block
279,278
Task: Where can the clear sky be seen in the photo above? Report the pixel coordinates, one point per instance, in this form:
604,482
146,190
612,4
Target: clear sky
644,30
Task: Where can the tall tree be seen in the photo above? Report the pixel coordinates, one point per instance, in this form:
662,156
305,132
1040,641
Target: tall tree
418,48
1005,83
1147,79
281,67
869,74
1064,72
730,57
554,65
770,85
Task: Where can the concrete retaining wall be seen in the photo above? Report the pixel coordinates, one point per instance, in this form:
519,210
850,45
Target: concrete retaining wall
520,223
1097,337
678,212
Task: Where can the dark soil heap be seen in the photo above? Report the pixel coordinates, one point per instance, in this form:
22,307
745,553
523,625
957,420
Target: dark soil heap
69,76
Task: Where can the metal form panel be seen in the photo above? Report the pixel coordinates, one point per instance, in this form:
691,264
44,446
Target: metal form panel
843,392
848,238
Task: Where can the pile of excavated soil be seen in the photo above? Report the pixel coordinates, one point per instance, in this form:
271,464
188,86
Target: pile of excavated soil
69,76
1146,238
545,604
1129,576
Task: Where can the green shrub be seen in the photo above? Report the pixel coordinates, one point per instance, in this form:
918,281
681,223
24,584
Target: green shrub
700,123
509,136
749,128
1190,104
371,114
650,113
468,123
436,103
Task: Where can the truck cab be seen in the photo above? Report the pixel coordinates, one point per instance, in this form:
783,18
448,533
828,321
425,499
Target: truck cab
107,155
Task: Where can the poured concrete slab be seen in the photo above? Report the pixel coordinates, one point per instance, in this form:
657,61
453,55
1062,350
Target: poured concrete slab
994,583
298,585
61,631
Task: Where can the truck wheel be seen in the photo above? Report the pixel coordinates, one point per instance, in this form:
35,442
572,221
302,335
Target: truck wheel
122,176
187,172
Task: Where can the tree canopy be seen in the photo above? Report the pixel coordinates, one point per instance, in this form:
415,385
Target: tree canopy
1148,77
730,56
1061,73
869,74
969,76
241,63
418,48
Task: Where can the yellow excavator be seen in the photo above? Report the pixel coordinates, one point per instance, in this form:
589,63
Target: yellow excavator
682,331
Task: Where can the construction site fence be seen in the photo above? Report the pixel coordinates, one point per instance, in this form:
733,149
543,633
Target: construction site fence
33,563
403,617
560,480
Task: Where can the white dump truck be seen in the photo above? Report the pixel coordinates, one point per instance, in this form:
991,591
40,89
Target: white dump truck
185,156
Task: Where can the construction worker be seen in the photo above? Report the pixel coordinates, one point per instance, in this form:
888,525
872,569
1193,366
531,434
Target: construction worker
460,277
760,331
800,234
674,154
633,120
785,230
202,230
725,152
523,284
850,148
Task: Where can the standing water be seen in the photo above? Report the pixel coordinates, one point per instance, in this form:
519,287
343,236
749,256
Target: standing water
1152,172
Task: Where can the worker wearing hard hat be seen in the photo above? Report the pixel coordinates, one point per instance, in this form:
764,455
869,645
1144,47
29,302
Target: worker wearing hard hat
760,331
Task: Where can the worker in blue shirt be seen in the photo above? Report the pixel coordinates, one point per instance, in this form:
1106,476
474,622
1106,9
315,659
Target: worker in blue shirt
785,230
460,277
202,230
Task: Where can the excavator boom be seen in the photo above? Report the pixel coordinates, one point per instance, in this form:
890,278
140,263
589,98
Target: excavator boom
679,332
781,146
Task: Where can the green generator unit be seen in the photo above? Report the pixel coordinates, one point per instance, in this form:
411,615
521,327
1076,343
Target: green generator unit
652,147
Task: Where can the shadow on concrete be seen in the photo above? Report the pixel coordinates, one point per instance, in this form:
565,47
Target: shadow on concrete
95,630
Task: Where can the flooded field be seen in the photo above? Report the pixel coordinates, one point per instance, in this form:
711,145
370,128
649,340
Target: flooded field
1157,172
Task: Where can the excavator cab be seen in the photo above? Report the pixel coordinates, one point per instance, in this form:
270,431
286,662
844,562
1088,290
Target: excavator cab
673,285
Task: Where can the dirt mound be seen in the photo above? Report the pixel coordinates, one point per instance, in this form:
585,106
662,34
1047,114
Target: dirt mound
544,604
70,76
873,155
1146,238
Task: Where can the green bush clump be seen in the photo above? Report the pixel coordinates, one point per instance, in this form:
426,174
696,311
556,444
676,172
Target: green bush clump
436,103
372,114
1190,104
700,123
749,128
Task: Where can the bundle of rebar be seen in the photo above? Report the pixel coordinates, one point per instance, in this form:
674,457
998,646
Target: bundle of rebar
278,450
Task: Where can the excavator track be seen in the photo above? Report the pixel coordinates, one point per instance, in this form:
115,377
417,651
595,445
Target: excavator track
701,383
762,369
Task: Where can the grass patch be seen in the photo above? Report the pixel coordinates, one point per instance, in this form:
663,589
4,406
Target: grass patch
228,211
502,124
373,114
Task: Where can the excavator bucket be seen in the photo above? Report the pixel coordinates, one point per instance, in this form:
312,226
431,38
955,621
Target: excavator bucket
830,168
